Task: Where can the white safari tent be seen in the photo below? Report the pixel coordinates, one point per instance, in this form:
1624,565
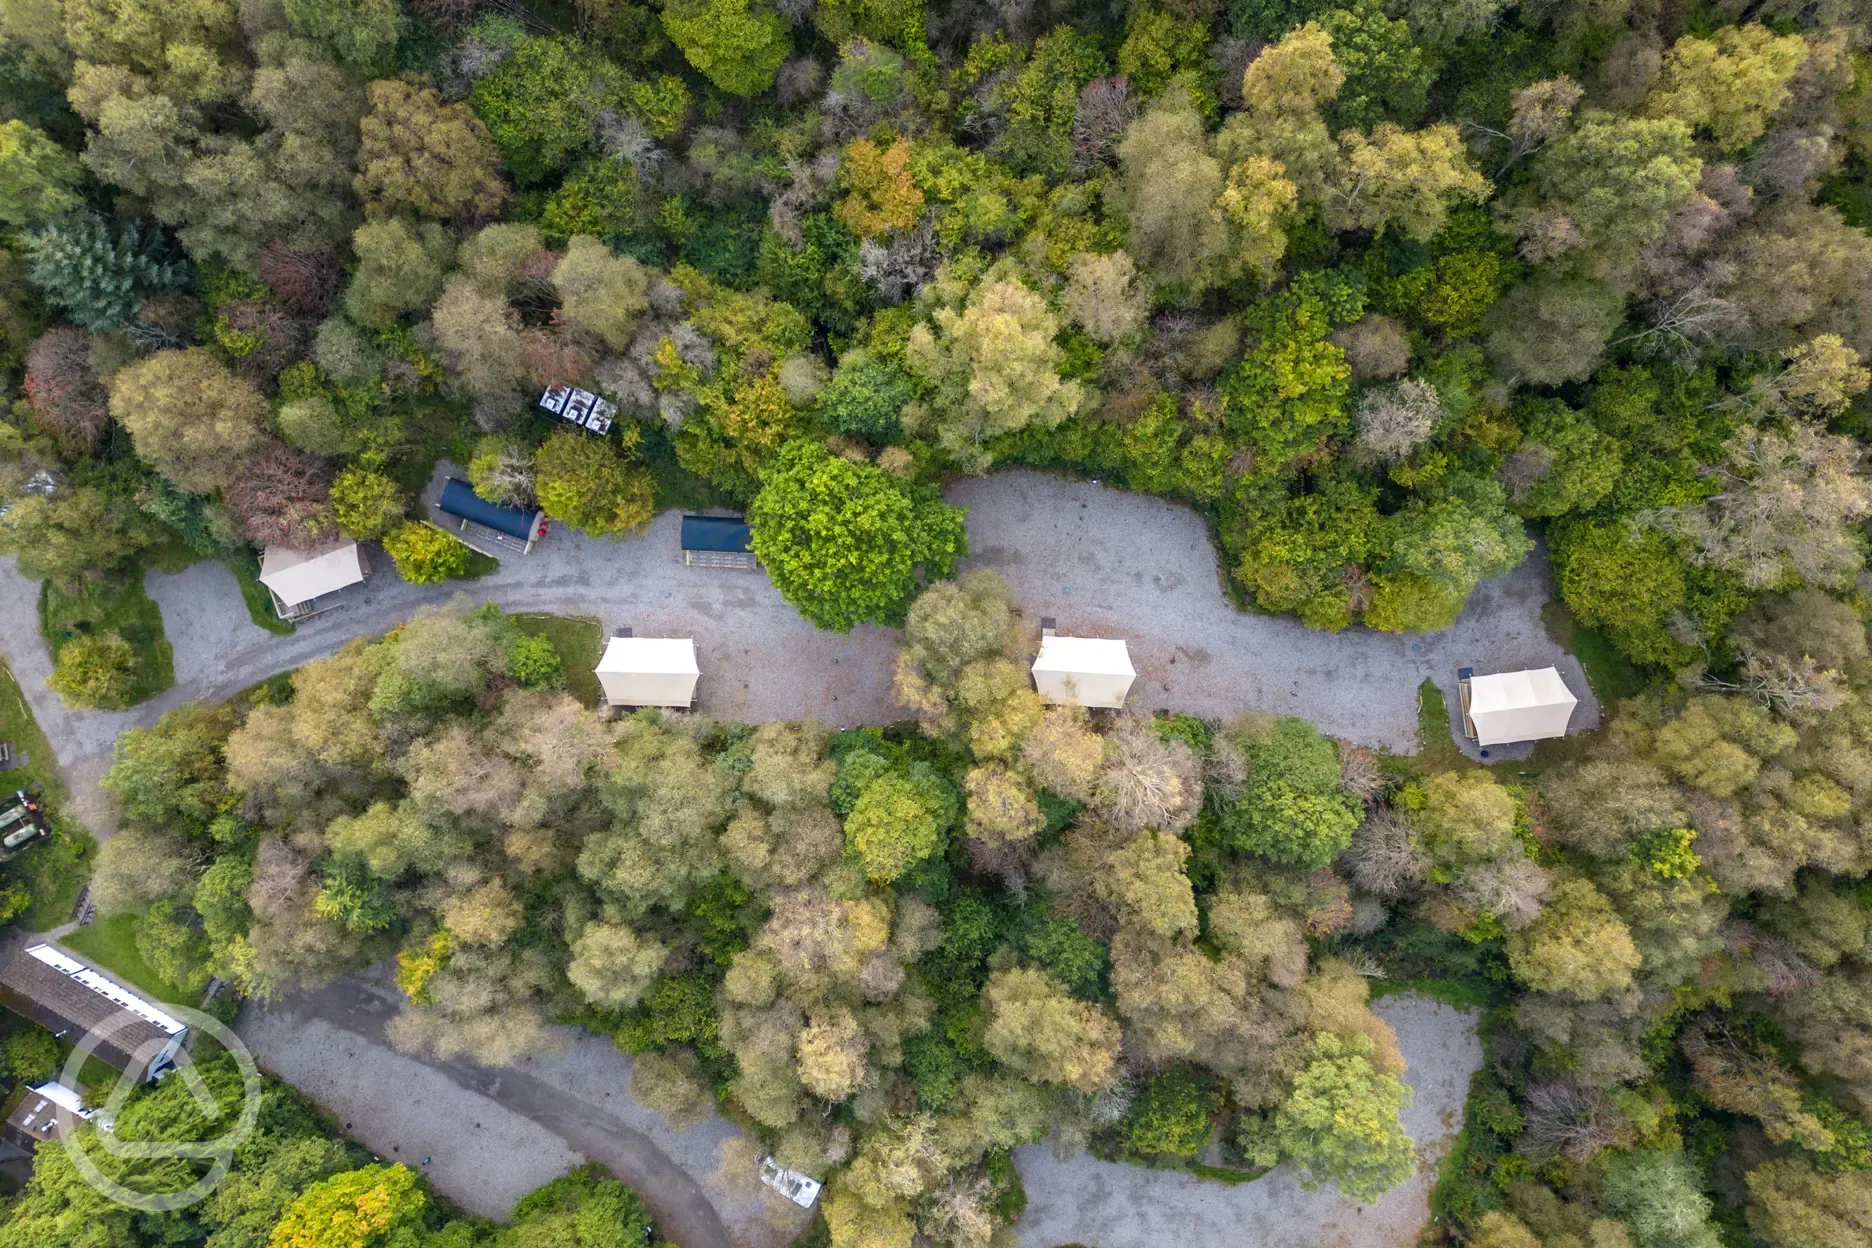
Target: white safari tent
649,671
1083,671
297,579
1516,706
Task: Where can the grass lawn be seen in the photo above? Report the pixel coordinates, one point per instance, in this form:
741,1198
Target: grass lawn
55,869
259,602
579,641
1436,748
111,943
1611,674
115,604
479,565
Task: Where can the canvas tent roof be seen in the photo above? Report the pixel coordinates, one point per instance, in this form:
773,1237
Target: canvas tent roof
1083,671
1519,706
297,577
649,671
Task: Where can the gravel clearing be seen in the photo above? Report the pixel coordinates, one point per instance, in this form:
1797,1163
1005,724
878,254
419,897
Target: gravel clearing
493,1135
1101,561
1107,1205
1107,563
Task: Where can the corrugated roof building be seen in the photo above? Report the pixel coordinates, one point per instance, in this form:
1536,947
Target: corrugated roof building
72,1000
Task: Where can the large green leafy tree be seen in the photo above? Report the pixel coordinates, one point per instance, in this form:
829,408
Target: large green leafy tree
738,44
1292,809
539,105
847,543
1341,1122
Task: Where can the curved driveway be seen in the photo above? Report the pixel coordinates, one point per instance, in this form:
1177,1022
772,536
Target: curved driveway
1101,561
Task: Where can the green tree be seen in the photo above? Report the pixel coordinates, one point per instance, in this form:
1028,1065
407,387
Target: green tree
1658,1195
586,1208
39,179
1040,1031
32,1054
600,292
96,671
583,482
539,104
899,820
172,775
865,397
1289,392
400,268
737,44
1406,178
1447,544
1729,85
1794,1206
1552,330
193,421
170,947
1623,580
992,368
361,32
420,153
1608,185
424,554
75,534
1168,191
100,276
845,543
1563,463
366,504
1387,77
613,965
1578,947
1291,809
1171,1118
362,1208
1340,1124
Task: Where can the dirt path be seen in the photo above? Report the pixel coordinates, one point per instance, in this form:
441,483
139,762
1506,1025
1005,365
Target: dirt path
1101,561
1087,1201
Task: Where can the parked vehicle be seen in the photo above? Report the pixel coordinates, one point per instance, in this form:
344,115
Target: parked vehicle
22,824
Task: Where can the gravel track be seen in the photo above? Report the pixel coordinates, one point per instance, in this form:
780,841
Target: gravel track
492,1136
1103,562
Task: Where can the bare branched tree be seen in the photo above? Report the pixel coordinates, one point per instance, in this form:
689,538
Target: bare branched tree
1384,858
1798,689
1569,1119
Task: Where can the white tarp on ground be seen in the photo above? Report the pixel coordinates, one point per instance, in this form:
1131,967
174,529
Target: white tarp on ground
649,671
296,577
1083,671
1519,706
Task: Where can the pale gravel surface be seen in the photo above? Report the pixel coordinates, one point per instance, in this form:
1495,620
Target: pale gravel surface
1107,563
1107,1205
493,1135
1103,562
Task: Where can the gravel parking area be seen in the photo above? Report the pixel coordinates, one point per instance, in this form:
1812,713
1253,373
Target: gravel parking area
491,1136
1106,1205
1107,563
1101,561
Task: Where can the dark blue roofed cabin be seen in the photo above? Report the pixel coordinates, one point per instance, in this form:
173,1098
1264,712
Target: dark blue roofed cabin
507,528
717,542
